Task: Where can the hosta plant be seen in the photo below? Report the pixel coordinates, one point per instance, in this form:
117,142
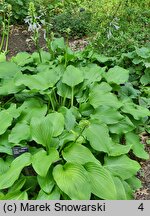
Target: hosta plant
81,135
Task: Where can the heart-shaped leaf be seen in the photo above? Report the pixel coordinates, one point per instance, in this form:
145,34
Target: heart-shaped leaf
101,181
72,179
42,161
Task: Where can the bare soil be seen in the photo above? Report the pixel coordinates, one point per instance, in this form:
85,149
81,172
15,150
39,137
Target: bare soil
20,41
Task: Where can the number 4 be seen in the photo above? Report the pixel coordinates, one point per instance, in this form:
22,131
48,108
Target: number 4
141,207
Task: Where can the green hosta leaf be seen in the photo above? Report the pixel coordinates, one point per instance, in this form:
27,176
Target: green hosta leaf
137,146
70,119
124,126
63,90
42,130
143,52
107,115
77,153
22,58
136,111
97,97
134,183
72,179
32,107
117,75
17,186
145,79
46,183
20,132
54,195
57,120
117,150
124,191
42,161
4,166
2,57
72,76
16,195
121,166
8,87
8,178
8,69
6,117
101,181
92,73
58,43
98,136
5,146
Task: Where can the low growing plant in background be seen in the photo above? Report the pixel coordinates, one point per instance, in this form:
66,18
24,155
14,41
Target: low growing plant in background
78,130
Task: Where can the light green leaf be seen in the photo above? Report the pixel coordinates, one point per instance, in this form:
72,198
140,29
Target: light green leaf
92,73
5,145
4,166
134,183
137,146
107,115
72,179
22,58
6,117
98,97
63,90
98,136
8,69
124,126
8,87
57,120
41,161
8,178
17,186
16,195
121,166
122,193
46,183
101,181
143,52
117,150
117,75
21,131
136,111
32,107
70,119
72,76
54,195
77,153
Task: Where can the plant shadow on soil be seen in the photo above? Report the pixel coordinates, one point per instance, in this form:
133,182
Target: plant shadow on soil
20,41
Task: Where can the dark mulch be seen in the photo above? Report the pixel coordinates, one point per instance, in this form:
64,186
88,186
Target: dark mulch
20,41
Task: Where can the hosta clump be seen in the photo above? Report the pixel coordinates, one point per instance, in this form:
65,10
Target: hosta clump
80,133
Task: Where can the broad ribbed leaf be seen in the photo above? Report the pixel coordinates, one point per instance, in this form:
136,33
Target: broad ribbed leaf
107,115
8,69
7,179
72,76
20,132
41,161
123,126
4,166
92,73
121,189
57,120
134,183
73,180
117,149
5,145
32,107
98,136
117,75
16,195
136,111
70,119
63,90
42,130
121,166
101,181
54,195
98,97
46,183
77,153
137,146
8,87
6,117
